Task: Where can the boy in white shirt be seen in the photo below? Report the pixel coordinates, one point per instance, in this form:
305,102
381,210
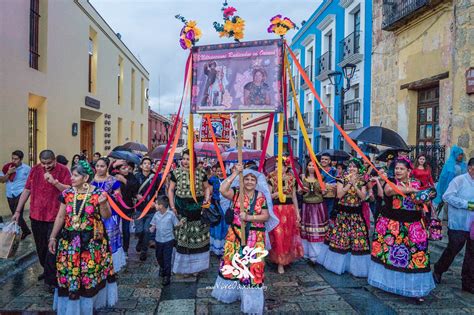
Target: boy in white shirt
163,222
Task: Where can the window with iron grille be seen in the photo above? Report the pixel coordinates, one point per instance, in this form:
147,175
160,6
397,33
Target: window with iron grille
34,33
32,136
91,52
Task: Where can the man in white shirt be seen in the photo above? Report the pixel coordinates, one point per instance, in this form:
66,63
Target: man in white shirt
460,199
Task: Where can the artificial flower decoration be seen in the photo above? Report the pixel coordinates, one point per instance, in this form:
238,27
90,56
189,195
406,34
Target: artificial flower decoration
280,25
190,33
233,25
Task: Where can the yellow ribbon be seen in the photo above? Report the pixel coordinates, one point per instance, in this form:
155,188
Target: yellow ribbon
191,156
281,195
303,127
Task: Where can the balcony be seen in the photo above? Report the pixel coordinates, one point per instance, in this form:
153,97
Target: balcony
350,49
292,126
322,123
309,73
324,66
397,13
352,115
308,121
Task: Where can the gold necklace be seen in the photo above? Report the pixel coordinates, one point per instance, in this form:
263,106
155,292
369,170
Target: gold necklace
76,215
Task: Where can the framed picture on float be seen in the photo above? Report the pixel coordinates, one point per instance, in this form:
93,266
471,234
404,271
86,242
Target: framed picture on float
238,77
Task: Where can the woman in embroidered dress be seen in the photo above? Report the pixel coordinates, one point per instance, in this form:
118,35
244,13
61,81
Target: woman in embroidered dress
219,231
242,277
285,238
110,185
347,245
314,219
85,272
192,249
400,256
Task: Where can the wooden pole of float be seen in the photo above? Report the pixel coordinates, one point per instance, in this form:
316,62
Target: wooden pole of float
241,176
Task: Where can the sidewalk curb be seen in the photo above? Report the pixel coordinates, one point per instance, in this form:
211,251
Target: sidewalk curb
17,264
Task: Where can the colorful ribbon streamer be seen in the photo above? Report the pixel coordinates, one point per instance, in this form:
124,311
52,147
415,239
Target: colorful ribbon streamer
343,133
281,195
165,173
192,184
265,142
216,146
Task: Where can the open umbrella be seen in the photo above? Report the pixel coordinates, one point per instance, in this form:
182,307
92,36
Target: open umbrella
385,154
336,155
158,152
125,155
369,148
247,155
205,149
379,135
135,146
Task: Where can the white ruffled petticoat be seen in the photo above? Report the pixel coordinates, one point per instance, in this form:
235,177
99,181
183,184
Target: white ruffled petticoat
108,296
227,291
192,263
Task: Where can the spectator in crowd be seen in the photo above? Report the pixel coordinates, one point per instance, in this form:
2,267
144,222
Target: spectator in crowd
163,223
61,159
14,175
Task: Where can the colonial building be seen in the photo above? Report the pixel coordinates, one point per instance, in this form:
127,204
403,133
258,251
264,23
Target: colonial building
68,82
422,51
337,34
254,130
159,129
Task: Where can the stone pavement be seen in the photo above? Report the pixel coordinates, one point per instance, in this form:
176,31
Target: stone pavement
304,288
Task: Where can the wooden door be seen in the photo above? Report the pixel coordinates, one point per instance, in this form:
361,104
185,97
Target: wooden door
87,137
428,132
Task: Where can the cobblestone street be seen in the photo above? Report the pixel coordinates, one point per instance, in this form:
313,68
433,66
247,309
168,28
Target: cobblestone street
304,288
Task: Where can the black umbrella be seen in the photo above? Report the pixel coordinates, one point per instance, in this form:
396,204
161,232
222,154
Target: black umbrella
369,148
135,146
336,155
125,155
379,135
385,154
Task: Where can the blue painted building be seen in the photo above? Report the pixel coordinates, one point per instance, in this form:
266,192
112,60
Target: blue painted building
337,33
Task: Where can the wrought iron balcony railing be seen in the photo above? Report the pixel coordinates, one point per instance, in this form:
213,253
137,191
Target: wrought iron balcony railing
352,113
324,63
350,45
397,12
309,73
322,119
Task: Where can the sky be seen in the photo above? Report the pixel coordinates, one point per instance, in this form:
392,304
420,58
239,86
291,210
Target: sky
151,31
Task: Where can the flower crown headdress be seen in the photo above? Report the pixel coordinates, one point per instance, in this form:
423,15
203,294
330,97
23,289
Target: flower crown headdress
406,160
281,25
233,26
190,33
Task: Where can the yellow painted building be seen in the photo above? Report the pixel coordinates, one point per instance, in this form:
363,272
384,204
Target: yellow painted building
68,82
421,53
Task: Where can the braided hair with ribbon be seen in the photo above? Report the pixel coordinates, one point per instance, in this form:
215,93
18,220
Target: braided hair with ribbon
83,168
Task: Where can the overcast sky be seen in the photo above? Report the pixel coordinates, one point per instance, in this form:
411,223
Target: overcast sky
150,30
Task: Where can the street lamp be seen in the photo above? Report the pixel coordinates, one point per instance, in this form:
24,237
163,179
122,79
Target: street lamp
335,78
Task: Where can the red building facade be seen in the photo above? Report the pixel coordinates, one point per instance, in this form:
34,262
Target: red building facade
158,129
